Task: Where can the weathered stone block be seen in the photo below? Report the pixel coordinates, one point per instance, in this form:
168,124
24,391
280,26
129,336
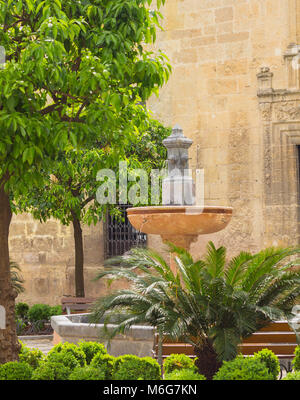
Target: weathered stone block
224,14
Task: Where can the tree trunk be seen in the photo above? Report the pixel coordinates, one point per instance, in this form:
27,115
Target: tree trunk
207,360
79,258
9,345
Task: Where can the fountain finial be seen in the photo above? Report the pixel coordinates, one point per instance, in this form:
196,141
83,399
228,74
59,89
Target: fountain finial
178,186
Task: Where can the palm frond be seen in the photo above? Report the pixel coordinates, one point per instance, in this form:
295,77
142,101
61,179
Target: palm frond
236,268
215,260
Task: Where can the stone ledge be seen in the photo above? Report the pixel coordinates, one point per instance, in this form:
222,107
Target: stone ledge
139,340
65,327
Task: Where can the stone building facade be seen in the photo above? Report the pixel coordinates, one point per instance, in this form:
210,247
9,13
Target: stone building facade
235,90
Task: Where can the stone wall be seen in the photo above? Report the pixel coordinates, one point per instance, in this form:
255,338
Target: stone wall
244,133
216,49
45,253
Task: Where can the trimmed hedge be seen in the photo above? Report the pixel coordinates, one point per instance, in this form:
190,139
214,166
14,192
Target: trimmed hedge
177,362
105,363
87,373
33,357
184,375
130,367
91,349
64,349
296,360
292,376
242,368
50,371
270,360
15,371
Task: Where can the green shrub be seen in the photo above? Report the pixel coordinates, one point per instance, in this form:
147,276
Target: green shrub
15,371
244,369
55,310
178,361
87,373
69,348
66,359
39,312
130,367
33,357
296,360
105,363
292,376
90,349
271,361
50,371
21,310
184,375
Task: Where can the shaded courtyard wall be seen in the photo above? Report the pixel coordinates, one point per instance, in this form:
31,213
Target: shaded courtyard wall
216,49
45,253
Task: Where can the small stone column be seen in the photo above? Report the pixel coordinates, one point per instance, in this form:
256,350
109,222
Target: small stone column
178,188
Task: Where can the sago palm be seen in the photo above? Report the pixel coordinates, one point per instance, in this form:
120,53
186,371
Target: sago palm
209,303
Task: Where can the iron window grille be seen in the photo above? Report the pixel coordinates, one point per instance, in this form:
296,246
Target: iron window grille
120,235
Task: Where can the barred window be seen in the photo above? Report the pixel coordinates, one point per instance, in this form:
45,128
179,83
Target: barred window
120,235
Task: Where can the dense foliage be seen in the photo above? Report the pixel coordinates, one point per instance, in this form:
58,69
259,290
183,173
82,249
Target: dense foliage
292,376
243,369
270,360
91,349
35,319
33,357
296,360
105,363
210,303
52,370
130,367
87,373
67,352
16,371
184,375
61,364
177,362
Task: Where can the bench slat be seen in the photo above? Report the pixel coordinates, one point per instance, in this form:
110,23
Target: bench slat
279,348
272,337
279,326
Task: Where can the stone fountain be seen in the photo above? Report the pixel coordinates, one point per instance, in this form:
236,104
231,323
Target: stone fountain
179,220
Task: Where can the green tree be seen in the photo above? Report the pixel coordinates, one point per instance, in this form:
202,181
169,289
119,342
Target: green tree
209,303
73,71
69,192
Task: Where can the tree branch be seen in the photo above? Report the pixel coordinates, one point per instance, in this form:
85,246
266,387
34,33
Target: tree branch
87,201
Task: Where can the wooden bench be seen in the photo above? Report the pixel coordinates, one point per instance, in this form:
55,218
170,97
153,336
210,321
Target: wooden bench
76,303
277,336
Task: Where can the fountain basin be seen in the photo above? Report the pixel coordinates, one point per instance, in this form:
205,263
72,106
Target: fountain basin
169,221
72,328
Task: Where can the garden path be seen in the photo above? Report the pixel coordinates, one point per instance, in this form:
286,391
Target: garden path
35,342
